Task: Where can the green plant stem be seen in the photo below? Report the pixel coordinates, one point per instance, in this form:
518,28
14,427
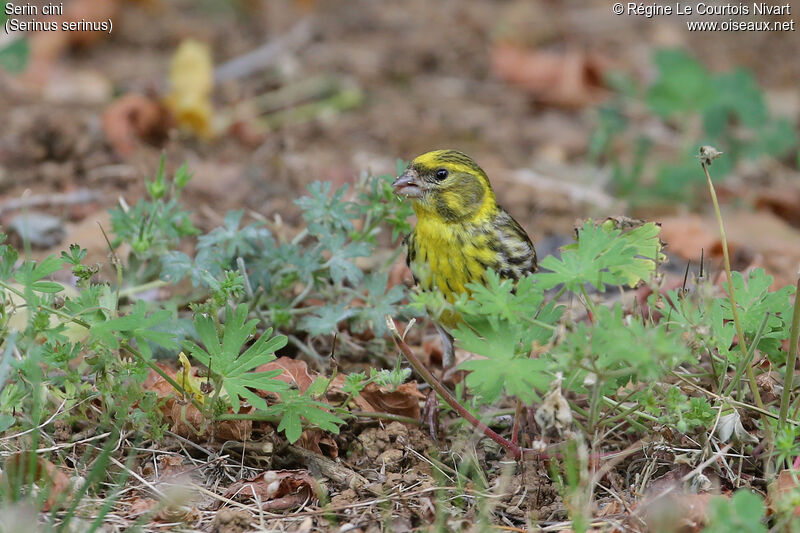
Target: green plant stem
751,377
387,416
260,417
746,361
130,291
595,402
628,411
791,363
589,304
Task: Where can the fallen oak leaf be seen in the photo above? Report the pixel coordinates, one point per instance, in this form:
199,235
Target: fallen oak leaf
566,79
315,440
295,372
186,420
132,118
782,493
275,490
49,478
165,466
404,400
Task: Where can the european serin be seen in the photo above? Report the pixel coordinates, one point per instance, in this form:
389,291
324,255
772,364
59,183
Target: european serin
461,232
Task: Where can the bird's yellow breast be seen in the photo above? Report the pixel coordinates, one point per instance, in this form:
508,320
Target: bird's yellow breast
446,257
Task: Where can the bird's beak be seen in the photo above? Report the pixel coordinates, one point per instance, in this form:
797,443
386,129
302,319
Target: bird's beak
408,184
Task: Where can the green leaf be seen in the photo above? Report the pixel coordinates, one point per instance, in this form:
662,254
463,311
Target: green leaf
14,56
204,270
340,264
604,256
630,350
754,300
743,513
138,326
232,240
295,407
224,357
325,215
182,176
683,84
47,286
291,424
520,377
776,138
737,96
502,299
379,304
325,321
175,265
8,258
31,272
6,421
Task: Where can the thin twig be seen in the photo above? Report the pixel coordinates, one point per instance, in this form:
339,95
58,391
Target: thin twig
426,374
81,196
265,55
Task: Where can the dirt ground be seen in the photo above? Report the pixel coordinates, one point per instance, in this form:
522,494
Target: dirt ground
424,71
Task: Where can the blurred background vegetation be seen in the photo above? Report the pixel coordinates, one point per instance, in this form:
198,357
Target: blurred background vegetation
572,110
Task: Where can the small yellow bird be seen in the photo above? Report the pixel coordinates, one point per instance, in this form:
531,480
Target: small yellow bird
461,232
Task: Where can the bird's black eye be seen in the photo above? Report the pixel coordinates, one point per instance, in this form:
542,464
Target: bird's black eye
441,174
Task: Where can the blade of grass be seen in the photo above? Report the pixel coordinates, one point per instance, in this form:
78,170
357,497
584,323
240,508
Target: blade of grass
791,363
93,479
746,362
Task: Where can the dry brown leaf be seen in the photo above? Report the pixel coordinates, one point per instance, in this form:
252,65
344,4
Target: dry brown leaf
402,401
782,202
319,442
275,490
399,274
761,235
571,79
687,236
48,476
187,421
132,118
138,506
168,466
295,372
786,483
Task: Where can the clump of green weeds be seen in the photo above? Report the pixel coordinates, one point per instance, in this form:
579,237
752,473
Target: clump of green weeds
78,354
699,107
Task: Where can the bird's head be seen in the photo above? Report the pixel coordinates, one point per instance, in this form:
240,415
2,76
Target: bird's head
446,184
